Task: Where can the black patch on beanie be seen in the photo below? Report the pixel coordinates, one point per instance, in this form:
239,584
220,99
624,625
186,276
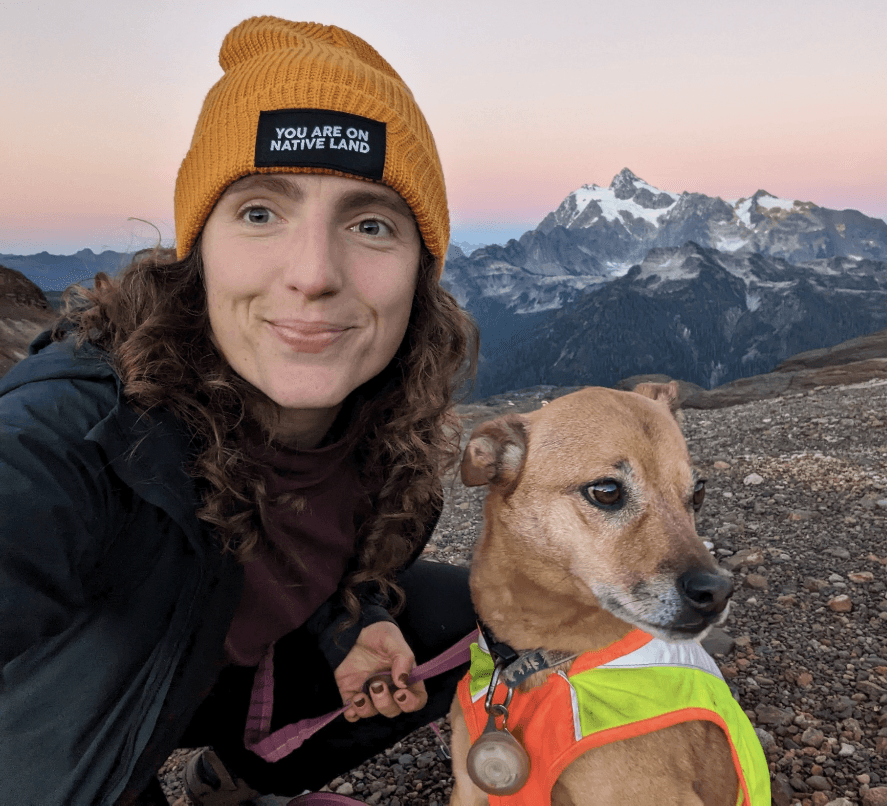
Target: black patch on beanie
320,138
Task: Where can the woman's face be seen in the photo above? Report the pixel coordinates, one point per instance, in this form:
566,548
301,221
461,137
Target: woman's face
310,281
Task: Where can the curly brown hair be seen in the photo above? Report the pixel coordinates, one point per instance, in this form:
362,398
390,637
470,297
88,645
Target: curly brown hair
152,320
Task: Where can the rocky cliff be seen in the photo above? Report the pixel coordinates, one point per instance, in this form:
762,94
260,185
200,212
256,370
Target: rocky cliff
24,312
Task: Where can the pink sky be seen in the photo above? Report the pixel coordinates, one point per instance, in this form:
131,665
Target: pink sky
527,101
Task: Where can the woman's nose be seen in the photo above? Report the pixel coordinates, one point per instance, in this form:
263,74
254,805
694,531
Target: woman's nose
313,262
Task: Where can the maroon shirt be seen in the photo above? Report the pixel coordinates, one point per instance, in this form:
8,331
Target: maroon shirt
279,596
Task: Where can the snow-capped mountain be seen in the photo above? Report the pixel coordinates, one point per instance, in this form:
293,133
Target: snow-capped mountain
597,233
765,248
762,222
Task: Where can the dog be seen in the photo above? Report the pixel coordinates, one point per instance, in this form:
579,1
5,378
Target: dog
589,560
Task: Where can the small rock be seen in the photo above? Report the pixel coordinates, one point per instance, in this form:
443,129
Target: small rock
753,478
771,715
721,465
875,797
781,790
718,642
836,551
805,680
818,782
846,750
840,802
765,738
812,737
840,604
861,577
801,515
786,601
345,789
756,581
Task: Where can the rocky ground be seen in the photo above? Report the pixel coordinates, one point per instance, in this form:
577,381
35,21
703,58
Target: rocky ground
796,507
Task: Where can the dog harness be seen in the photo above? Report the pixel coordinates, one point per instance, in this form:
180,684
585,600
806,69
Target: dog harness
635,686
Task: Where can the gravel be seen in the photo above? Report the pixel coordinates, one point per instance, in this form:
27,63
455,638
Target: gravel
796,508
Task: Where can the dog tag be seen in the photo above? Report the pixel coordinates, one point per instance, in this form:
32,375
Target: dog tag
496,762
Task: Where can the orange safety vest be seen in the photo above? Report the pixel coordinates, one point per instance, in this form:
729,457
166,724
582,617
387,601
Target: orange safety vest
636,685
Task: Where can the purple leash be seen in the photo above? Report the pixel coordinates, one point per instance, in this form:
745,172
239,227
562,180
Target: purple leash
274,746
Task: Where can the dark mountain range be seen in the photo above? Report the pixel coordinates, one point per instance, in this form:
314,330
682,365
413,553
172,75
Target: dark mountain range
696,314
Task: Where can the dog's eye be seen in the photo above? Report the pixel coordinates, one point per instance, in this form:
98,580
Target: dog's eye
698,495
606,493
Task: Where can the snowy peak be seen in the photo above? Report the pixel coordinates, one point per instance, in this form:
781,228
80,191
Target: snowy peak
626,185
765,205
628,198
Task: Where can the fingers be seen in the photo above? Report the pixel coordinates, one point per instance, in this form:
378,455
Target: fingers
387,701
382,698
361,707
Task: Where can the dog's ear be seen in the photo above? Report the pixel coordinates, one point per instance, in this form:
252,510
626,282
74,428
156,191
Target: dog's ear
668,393
495,453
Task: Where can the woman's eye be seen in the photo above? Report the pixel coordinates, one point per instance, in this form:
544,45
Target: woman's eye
372,226
257,215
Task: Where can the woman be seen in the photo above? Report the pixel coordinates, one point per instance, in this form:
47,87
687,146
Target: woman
238,447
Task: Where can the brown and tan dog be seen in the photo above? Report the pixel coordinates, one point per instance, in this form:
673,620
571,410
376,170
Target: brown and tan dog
589,532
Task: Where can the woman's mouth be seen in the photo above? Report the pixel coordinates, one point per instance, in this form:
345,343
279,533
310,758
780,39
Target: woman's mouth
307,337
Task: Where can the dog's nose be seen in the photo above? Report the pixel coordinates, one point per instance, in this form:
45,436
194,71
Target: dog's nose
705,592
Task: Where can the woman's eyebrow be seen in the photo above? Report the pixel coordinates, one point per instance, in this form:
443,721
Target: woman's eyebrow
358,199
272,184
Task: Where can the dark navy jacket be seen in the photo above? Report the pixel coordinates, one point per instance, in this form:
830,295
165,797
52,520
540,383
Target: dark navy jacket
114,599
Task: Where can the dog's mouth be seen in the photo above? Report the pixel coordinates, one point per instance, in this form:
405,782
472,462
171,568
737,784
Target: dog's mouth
674,610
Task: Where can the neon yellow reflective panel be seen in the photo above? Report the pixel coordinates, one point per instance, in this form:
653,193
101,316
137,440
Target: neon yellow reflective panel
612,698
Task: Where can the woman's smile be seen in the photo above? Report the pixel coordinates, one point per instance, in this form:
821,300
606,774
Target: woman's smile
308,337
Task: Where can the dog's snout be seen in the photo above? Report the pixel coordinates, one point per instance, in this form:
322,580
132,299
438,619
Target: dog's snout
705,592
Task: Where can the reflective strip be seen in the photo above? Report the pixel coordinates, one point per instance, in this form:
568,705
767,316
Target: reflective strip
686,654
574,705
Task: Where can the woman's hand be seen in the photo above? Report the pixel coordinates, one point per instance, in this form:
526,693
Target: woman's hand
380,647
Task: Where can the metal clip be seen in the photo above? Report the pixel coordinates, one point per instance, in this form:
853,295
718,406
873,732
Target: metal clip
491,690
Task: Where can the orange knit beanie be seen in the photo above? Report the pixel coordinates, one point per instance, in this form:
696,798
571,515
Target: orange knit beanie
298,97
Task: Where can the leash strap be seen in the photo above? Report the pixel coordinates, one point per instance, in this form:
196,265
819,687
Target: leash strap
323,799
274,746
